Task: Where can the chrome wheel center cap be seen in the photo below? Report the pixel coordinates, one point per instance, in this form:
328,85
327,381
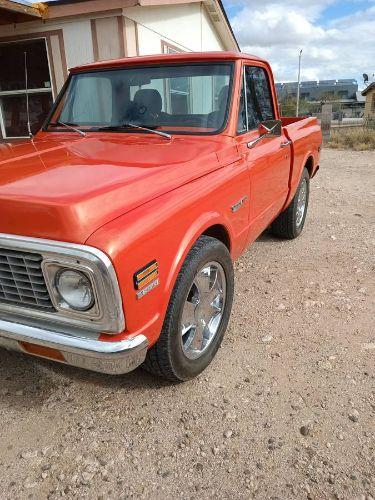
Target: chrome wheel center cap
203,310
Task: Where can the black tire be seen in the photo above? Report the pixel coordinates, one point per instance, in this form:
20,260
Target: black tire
167,358
285,225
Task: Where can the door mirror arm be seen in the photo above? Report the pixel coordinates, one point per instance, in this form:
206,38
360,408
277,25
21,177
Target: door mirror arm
267,129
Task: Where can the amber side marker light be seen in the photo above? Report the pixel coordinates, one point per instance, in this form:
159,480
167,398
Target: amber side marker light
44,352
145,275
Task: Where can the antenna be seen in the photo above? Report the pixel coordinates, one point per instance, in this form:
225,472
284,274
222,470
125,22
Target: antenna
27,99
299,81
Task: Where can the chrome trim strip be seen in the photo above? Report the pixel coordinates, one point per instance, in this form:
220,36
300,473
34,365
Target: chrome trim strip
82,351
245,96
111,317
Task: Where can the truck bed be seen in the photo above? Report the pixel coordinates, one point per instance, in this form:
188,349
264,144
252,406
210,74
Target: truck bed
305,136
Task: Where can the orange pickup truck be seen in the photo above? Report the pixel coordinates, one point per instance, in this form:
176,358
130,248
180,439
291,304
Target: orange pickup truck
121,218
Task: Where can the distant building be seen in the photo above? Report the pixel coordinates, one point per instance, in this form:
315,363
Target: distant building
369,95
343,92
319,90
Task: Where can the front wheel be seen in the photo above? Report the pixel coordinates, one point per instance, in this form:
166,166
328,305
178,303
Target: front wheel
290,222
197,315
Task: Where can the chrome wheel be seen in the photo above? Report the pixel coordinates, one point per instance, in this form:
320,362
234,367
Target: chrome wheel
301,202
203,310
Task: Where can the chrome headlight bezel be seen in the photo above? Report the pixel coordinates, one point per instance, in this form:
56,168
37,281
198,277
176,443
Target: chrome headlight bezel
51,270
105,316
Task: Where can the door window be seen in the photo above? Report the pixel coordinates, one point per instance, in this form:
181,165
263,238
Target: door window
256,103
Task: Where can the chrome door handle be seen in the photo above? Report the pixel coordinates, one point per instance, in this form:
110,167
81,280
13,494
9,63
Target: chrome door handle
285,144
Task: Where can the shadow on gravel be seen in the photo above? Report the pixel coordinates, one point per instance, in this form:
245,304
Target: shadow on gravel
137,379
267,237
32,380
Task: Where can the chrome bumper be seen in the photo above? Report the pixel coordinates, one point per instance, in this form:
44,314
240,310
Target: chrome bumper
81,350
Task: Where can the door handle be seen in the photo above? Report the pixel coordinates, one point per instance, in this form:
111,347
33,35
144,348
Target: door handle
285,144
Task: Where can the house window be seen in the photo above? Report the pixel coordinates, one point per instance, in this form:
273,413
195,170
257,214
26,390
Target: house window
178,89
13,96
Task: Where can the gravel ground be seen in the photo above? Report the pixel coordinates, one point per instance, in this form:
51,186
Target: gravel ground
285,411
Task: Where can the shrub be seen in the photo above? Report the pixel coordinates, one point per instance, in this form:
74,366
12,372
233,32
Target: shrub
358,139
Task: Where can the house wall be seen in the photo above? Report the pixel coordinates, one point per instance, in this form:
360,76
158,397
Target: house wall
186,26
210,37
370,104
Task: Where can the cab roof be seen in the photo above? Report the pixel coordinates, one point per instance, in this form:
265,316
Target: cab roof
165,58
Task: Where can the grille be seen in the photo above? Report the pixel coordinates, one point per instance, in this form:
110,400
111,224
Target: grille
22,281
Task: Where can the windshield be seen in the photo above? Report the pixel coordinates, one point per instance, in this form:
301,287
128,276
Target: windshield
189,98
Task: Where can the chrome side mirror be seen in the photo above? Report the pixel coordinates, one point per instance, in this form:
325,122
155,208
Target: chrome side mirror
267,129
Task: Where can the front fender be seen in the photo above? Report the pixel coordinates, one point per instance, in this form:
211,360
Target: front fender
165,229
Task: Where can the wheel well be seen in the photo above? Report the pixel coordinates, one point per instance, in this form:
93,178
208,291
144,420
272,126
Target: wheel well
220,233
310,165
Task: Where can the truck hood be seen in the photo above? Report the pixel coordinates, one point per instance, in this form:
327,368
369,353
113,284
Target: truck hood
65,188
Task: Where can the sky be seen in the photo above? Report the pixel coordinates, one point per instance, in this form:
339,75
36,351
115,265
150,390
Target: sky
337,37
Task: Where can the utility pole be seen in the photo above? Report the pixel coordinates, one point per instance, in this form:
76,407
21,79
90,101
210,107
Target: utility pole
299,81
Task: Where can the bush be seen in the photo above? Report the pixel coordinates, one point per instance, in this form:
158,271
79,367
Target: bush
358,139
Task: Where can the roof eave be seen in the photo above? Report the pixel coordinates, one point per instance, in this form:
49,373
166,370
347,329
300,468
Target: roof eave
19,12
227,31
367,90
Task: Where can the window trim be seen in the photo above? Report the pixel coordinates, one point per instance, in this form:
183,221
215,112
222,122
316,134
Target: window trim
243,78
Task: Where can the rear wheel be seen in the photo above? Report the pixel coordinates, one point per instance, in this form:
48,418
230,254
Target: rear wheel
197,315
290,222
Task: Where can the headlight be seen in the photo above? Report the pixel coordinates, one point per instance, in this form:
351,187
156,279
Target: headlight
75,289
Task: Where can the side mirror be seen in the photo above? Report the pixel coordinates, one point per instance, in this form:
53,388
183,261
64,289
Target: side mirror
267,129
270,128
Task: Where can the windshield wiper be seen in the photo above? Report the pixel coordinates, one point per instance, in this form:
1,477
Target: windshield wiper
69,126
133,125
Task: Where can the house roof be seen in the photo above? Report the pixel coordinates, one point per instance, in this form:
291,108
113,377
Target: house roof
369,88
18,12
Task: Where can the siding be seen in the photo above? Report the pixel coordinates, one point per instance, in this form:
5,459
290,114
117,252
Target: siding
370,104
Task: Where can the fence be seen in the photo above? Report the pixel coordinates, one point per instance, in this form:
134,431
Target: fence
331,122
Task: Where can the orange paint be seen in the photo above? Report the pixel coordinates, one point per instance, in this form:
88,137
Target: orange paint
141,198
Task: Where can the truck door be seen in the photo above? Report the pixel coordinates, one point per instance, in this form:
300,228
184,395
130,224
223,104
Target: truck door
269,160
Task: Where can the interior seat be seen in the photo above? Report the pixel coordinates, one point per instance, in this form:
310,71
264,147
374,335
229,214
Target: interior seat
147,105
216,118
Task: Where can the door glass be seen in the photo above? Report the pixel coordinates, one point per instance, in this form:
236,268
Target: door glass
258,99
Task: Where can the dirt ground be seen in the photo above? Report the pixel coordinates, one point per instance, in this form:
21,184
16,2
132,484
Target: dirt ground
286,410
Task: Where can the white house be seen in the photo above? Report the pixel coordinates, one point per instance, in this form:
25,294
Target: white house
49,38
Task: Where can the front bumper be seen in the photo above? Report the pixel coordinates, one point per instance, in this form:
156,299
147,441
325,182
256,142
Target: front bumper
81,349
